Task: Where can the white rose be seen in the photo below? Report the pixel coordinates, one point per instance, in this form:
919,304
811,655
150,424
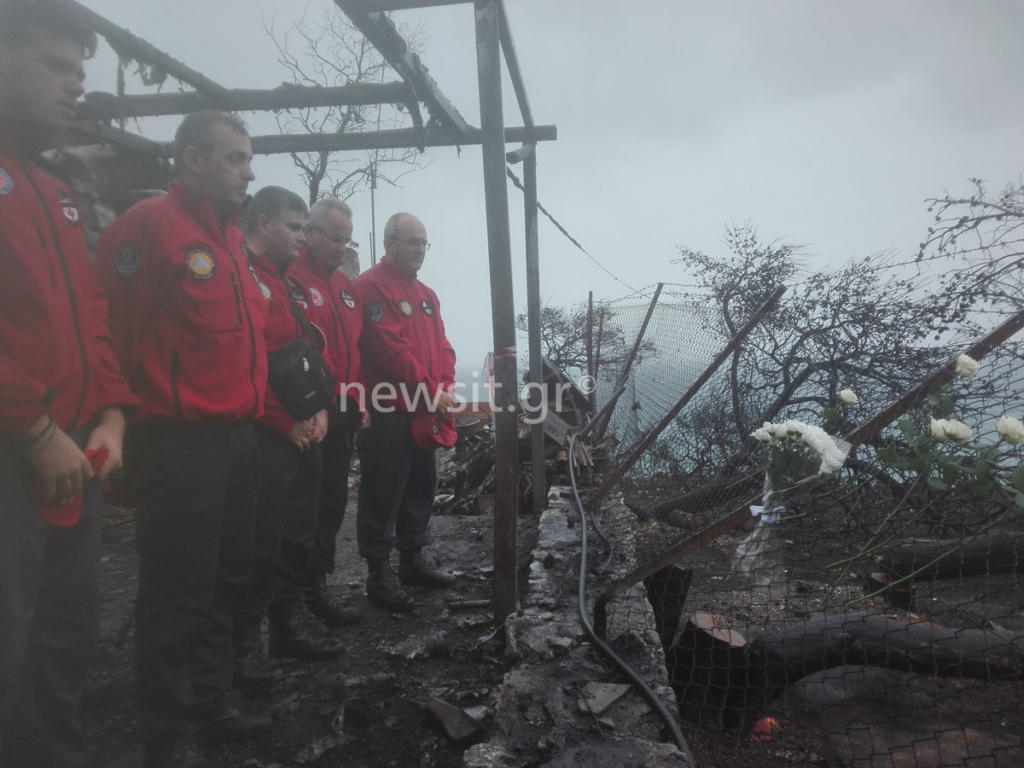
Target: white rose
763,434
966,365
958,431
848,397
939,430
1010,429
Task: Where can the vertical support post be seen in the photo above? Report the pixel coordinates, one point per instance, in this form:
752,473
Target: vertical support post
373,213
488,55
533,327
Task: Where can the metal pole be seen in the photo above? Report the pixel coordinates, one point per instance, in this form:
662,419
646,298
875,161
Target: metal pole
488,51
373,213
533,325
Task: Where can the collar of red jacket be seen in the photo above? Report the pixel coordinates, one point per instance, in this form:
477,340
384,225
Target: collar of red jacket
390,266
308,259
200,210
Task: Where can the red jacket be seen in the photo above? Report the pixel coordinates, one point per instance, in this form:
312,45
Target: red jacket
331,305
403,340
56,353
281,327
186,310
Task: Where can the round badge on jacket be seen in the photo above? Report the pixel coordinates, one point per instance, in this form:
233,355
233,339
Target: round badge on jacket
201,263
6,182
316,296
126,259
405,307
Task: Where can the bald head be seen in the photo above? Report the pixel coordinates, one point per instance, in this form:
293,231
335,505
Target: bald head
405,243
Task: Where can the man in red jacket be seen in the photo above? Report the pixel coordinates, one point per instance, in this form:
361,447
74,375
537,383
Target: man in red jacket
328,297
188,316
404,352
61,397
290,456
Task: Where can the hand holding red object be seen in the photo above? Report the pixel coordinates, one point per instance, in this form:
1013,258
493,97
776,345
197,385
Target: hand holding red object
67,515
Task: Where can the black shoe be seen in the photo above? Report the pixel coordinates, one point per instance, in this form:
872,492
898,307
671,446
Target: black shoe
415,571
230,724
181,756
304,646
252,672
322,605
383,588
289,638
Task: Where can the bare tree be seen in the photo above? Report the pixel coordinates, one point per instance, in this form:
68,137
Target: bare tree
329,51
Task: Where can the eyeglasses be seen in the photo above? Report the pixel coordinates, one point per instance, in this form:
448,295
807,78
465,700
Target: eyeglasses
413,242
335,239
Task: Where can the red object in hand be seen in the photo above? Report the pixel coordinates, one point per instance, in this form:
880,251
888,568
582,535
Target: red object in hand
67,515
764,730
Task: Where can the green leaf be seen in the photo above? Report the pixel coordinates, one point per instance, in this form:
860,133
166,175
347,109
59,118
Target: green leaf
1020,500
889,456
945,407
936,484
907,428
1017,479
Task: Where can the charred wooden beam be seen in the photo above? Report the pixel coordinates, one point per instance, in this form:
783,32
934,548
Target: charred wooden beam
729,682
385,37
127,44
85,132
102,106
995,551
404,5
401,137
512,63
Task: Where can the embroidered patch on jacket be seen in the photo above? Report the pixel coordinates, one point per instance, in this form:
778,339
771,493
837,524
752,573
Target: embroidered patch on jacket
6,182
126,259
427,309
317,297
201,263
405,307
347,299
69,207
374,312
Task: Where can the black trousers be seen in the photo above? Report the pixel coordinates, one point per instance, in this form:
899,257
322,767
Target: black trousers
286,518
196,489
337,450
49,600
396,492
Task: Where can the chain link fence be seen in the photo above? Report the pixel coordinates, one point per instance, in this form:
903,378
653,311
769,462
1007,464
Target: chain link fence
866,617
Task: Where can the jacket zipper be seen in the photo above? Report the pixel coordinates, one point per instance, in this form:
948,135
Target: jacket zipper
238,297
49,257
175,372
340,325
71,298
248,318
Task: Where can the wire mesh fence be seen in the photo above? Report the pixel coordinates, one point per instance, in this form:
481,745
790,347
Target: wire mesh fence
866,616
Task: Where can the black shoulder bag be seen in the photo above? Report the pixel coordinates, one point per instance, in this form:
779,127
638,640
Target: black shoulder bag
298,374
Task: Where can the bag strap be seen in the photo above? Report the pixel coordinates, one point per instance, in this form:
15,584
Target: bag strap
298,313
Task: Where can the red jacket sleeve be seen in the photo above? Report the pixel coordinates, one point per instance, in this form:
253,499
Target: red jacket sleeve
447,353
128,271
22,399
275,417
111,388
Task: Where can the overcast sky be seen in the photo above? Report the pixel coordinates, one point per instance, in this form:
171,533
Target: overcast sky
821,123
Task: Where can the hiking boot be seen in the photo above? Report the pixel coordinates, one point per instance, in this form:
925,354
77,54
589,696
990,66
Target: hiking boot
291,640
382,587
415,571
231,724
252,672
322,605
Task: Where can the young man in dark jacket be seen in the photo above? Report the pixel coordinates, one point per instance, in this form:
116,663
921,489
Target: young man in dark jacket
61,397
